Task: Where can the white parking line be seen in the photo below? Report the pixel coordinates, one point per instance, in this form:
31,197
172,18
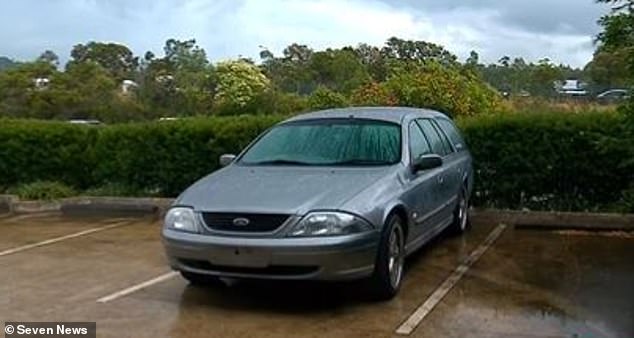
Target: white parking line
137,287
424,309
59,239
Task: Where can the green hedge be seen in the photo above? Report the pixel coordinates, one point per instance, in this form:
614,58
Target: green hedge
45,151
540,161
166,157
549,161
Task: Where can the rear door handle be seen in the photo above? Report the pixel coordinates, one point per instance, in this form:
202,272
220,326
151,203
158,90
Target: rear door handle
441,179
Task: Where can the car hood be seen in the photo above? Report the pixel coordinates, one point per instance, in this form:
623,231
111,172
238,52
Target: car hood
277,189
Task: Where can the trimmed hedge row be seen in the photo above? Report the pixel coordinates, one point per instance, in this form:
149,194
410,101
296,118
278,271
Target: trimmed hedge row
549,162
541,161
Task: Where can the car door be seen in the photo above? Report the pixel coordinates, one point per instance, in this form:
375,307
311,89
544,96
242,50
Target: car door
422,189
447,180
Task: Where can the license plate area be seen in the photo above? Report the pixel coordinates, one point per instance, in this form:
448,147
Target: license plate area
240,257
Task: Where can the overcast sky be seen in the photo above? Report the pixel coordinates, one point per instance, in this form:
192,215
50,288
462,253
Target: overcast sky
560,29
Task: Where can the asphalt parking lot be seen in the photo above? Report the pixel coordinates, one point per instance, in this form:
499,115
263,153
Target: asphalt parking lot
524,283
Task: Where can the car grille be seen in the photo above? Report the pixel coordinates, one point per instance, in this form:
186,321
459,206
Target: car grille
256,222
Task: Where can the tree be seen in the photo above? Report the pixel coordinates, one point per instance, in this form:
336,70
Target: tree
324,98
182,82
19,93
442,88
49,56
473,61
338,69
185,55
290,73
239,84
618,31
116,59
418,51
373,60
608,69
543,77
6,63
505,61
618,37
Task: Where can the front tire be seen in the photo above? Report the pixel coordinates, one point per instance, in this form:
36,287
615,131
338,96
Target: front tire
461,221
388,271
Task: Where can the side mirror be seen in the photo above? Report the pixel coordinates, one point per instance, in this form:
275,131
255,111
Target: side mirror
226,159
426,162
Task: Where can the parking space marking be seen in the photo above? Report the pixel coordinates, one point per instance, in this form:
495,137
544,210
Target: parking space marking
425,308
137,287
61,238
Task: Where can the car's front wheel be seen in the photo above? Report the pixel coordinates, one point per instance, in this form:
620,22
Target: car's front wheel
388,271
461,214
198,279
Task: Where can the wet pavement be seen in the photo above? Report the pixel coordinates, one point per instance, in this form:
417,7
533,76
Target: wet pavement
527,284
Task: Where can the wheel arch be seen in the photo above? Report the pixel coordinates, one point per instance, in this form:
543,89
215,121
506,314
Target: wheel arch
399,210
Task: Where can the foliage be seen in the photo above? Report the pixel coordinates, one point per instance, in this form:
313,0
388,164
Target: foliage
181,81
324,98
45,151
538,161
239,83
168,156
617,37
445,89
118,60
6,63
373,94
547,161
43,190
517,77
106,81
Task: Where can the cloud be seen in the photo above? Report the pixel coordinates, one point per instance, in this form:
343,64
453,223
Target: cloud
561,29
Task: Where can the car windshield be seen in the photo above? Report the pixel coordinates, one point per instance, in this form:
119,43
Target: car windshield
335,142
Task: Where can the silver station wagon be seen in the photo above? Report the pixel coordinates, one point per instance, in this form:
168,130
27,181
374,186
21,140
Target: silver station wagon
331,195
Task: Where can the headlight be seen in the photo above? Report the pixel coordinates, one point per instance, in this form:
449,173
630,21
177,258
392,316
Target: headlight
182,219
329,224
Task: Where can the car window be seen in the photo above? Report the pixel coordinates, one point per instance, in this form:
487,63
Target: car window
443,137
433,137
453,134
337,142
418,144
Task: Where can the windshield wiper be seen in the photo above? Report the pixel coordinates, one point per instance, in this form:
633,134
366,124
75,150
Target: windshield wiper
280,162
360,162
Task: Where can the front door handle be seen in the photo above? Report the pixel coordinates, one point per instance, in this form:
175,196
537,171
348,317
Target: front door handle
441,179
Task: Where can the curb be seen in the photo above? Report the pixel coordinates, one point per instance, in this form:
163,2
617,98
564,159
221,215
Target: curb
114,205
557,220
87,206
6,203
96,206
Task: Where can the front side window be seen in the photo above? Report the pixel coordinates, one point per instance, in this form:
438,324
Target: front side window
336,142
418,145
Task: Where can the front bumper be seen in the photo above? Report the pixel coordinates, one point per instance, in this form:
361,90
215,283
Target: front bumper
320,258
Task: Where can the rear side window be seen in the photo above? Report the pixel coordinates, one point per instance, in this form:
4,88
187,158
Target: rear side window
453,134
435,140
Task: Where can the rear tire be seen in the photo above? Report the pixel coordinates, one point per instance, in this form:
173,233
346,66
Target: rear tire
198,279
461,222
388,271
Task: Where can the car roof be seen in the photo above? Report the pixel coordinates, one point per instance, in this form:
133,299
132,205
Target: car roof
388,114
